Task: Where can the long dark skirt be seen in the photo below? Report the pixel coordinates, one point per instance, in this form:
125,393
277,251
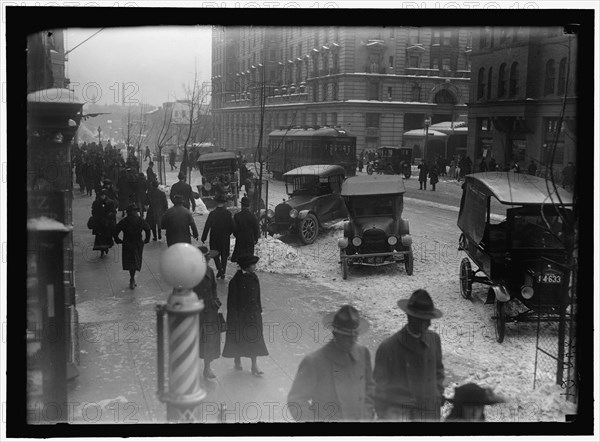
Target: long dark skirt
210,335
103,237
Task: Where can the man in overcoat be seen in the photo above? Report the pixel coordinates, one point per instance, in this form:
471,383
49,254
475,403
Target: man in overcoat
156,200
177,222
210,330
423,172
245,230
123,190
409,374
132,227
220,225
336,381
185,190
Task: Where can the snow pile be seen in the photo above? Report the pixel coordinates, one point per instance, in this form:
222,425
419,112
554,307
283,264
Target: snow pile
278,257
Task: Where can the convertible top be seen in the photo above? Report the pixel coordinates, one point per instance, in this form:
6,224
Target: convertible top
217,156
373,185
324,170
520,189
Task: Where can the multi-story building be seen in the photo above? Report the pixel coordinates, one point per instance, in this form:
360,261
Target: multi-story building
523,83
377,83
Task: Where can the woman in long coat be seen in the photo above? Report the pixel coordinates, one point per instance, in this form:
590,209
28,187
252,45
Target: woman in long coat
133,246
156,200
244,337
210,330
103,212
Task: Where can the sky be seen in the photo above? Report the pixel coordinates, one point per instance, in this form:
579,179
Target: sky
151,63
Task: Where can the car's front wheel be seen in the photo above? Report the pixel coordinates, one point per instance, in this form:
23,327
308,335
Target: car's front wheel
309,229
408,263
369,169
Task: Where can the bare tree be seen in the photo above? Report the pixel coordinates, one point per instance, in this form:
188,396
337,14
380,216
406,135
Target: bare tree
163,136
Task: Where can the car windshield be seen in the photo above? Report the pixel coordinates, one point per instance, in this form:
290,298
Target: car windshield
303,185
532,231
371,205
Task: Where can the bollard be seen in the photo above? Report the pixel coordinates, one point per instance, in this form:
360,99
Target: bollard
184,394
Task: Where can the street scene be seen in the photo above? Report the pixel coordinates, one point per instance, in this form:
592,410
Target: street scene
305,224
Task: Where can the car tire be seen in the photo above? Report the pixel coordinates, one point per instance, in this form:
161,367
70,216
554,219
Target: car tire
409,262
369,169
309,229
466,278
344,269
500,320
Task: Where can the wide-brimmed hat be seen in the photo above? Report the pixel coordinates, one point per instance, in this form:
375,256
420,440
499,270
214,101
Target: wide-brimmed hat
177,198
208,253
346,321
245,201
247,260
420,305
473,394
220,199
132,207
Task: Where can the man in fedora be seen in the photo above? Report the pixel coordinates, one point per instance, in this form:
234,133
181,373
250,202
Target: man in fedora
469,402
245,230
220,225
185,190
409,373
177,222
335,382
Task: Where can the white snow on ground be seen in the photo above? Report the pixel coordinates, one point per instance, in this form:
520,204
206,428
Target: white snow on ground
471,352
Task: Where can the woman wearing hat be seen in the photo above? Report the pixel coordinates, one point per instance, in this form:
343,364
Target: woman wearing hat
133,246
210,330
469,402
244,337
336,381
409,373
245,230
103,211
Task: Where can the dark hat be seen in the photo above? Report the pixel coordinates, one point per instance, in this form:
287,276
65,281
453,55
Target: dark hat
247,260
178,198
181,175
154,183
473,394
420,305
208,253
346,321
245,201
219,198
132,207
107,181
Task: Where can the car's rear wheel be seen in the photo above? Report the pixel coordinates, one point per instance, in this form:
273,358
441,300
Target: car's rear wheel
369,169
309,229
408,263
466,278
500,318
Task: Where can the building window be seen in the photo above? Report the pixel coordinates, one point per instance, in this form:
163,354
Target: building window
373,90
314,119
480,83
414,61
502,81
435,38
334,90
562,76
391,61
550,78
389,93
334,120
416,93
447,38
435,63
325,97
372,120
323,118
486,37
391,32
489,85
303,116
446,64
414,36
299,49
513,87
315,91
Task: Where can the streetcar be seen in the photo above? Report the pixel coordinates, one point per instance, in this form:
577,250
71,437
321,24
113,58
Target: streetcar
292,148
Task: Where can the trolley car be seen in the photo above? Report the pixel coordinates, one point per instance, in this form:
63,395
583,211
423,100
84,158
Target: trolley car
293,148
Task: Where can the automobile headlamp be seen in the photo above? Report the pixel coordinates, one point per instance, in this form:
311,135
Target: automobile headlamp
293,213
343,243
270,213
527,287
356,241
208,186
392,240
406,240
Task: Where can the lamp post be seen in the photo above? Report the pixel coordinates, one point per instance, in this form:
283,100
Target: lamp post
427,123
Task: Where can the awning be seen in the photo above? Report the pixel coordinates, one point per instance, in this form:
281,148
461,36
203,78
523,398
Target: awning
420,133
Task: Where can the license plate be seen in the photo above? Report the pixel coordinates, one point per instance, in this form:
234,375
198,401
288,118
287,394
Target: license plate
549,279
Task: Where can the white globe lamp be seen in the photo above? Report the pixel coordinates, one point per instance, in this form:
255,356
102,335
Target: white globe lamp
182,266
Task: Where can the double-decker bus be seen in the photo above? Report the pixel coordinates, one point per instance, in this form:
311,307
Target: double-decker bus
296,147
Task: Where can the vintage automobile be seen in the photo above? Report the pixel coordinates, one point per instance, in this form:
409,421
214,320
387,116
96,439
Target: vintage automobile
314,202
214,166
375,234
392,160
522,258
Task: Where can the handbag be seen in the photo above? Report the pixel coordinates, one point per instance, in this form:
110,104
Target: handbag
91,224
222,323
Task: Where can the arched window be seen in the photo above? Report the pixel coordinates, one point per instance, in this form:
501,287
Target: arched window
550,78
480,83
562,77
444,97
502,81
489,85
513,87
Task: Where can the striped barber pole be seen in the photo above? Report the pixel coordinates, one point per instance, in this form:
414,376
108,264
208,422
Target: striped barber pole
184,370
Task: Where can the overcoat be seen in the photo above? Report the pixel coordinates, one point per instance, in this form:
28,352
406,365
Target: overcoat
123,191
177,222
104,220
210,332
220,225
185,190
423,171
246,232
433,175
244,336
133,245
339,385
156,200
409,377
